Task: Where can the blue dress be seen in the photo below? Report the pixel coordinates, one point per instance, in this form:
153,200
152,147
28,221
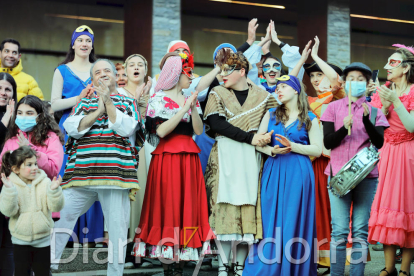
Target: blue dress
288,210
93,218
205,144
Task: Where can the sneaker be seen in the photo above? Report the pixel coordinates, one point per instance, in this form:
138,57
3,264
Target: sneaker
378,247
146,265
129,265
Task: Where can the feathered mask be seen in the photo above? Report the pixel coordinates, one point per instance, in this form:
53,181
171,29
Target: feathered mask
188,64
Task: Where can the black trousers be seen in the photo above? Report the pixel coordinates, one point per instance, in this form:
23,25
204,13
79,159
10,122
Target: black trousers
27,257
6,248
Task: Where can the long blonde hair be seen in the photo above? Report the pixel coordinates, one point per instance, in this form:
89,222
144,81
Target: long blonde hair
282,116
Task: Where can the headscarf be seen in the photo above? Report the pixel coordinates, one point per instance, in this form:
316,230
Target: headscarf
170,73
290,80
175,44
77,34
221,46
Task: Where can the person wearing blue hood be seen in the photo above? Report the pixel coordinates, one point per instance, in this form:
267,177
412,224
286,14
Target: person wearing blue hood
272,67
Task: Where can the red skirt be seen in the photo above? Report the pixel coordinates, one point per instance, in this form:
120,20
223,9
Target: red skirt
323,210
175,209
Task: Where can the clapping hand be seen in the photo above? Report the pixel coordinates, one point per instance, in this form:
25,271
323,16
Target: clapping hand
143,89
273,33
22,140
86,92
251,31
55,183
191,101
9,113
315,48
283,140
388,96
263,139
103,91
278,150
306,52
6,181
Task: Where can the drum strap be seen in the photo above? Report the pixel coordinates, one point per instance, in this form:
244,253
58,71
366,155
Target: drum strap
373,120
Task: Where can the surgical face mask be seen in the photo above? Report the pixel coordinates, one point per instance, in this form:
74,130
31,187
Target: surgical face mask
358,88
26,123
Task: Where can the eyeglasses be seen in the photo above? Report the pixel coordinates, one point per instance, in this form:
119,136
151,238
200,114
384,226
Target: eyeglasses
227,70
188,71
275,68
83,28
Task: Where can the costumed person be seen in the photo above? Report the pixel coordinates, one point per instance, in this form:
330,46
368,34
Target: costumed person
336,122
175,195
71,83
199,84
392,212
233,114
102,163
325,79
8,99
271,66
29,197
121,77
290,208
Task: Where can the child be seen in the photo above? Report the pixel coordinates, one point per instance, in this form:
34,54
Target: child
28,198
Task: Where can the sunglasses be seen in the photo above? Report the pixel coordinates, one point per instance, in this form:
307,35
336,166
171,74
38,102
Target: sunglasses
188,71
227,70
267,67
83,28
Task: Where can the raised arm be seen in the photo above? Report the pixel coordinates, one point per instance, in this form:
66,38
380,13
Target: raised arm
299,65
326,69
168,126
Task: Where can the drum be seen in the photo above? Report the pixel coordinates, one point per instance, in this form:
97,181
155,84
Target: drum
354,171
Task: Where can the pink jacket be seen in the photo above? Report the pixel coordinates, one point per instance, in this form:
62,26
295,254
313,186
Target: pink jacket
49,158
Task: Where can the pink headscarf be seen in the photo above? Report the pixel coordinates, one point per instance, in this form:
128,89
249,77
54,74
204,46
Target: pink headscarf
170,74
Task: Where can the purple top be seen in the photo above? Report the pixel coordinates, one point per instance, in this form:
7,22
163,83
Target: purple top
359,139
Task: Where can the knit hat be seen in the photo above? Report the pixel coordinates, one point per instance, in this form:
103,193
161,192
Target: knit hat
175,44
82,30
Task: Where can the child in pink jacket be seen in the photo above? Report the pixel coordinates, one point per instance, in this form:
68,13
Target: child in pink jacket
33,126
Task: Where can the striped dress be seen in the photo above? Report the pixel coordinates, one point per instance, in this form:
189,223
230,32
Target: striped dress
102,157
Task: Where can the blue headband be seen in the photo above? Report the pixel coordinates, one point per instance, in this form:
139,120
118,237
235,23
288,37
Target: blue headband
75,35
221,46
290,80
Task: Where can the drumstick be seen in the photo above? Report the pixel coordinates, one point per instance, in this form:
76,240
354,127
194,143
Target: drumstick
350,107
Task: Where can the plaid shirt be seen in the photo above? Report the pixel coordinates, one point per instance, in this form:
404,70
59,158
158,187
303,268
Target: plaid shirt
359,139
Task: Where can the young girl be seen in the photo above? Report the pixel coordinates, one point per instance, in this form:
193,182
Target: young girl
288,185
31,125
336,122
28,198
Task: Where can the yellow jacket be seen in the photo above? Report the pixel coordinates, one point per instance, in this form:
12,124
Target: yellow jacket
26,84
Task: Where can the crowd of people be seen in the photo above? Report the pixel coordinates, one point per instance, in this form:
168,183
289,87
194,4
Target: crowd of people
236,162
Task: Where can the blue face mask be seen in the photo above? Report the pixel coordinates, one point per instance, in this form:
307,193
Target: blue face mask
26,123
358,88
